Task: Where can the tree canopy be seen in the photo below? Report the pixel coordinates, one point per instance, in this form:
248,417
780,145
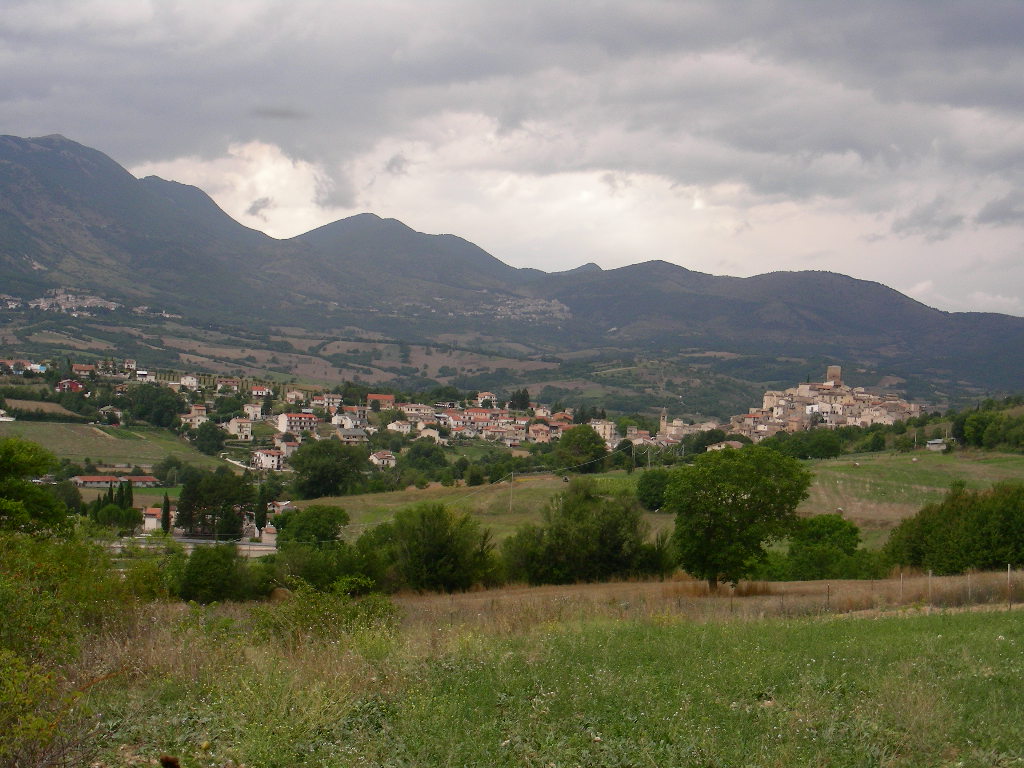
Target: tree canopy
729,504
585,536
316,524
580,449
25,506
327,468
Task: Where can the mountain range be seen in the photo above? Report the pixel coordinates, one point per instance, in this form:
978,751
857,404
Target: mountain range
72,217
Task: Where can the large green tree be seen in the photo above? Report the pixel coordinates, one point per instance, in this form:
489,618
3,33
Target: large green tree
435,548
25,506
729,504
584,536
580,449
327,468
215,504
316,524
209,438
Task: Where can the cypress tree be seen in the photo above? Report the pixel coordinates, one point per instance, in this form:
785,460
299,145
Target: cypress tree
165,515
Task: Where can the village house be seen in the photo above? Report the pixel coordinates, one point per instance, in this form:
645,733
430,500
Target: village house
401,427
241,429
261,390
268,458
151,518
383,459
351,436
144,376
253,411
231,385
414,411
69,385
433,434
296,423
82,369
189,381
195,416
384,402
539,432
607,430
294,396
734,444
112,413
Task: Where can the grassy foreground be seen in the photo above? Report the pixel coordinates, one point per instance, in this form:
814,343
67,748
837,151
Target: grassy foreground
209,686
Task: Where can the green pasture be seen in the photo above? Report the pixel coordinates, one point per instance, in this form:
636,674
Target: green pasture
895,691
876,490
108,445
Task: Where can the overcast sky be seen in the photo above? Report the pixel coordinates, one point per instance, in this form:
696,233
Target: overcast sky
882,140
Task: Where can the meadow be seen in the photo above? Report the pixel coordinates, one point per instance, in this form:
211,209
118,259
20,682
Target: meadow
106,445
874,490
584,677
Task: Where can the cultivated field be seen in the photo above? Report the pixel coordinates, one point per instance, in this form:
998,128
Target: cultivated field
878,490
39,405
106,445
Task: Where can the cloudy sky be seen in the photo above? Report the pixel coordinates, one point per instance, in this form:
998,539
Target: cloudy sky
883,140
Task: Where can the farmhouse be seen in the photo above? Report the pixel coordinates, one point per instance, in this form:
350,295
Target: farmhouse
383,459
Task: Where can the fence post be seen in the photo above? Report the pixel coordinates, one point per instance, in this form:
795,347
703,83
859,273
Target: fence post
828,597
929,590
901,586
1009,589
969,588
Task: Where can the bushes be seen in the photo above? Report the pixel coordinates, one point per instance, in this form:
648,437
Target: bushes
585,537
967,529
309,614
218,573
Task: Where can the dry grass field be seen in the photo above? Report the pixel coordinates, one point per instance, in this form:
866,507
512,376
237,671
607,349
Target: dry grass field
514,609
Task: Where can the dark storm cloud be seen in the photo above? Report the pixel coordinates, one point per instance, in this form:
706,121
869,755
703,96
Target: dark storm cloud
909,113
933,220
1008,210
259,206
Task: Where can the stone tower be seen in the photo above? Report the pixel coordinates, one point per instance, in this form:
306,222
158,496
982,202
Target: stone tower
834,373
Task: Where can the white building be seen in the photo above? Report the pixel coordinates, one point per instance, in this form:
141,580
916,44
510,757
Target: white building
296,422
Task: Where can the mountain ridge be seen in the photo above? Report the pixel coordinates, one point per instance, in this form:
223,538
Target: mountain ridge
71,216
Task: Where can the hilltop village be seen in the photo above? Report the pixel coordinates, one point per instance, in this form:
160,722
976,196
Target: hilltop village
274,422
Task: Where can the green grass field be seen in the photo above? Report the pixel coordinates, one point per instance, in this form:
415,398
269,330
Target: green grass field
874,490
886,690
111,445
497,506
877,490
